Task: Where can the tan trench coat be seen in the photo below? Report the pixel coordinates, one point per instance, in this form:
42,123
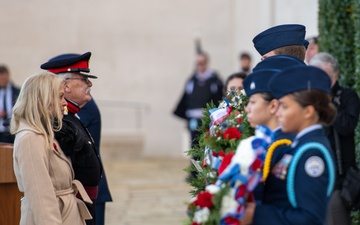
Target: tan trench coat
47,180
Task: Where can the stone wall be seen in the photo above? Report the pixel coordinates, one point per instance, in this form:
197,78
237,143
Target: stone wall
143,51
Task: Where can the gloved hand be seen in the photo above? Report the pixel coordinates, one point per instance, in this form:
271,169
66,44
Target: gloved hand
71,141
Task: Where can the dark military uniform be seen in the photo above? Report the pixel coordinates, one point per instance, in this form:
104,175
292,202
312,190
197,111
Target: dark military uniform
310,190
301,180
91,118
79,146
257,82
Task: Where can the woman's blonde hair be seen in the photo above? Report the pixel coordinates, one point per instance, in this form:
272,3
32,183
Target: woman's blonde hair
38,105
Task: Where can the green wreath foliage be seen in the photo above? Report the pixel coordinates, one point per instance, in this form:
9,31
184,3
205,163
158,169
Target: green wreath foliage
219,143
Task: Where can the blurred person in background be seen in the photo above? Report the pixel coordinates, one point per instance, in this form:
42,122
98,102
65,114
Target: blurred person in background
245,62
234,82
341,134
8,95
313,48
203,87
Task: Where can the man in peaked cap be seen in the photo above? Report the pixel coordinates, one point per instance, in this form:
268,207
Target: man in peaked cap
287,39
74,138
75,69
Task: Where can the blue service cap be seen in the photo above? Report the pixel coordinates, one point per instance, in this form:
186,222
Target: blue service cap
258,82
279,62
280,36
299,78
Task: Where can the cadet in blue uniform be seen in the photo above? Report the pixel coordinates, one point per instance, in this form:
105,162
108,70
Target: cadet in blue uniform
303,179
286,39
277,62
263,106
74,138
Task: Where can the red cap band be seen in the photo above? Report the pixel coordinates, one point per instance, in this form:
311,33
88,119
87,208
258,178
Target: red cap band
78,65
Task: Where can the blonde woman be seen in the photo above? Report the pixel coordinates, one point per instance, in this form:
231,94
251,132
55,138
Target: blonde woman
43,173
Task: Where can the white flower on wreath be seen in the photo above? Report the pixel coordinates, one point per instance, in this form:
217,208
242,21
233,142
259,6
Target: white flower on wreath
244,155
223,105
243,92
212,188
201,215
228,203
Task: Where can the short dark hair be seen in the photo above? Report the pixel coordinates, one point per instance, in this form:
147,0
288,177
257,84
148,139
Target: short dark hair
321,102
240,75
4,69
292,50
314,39
245,55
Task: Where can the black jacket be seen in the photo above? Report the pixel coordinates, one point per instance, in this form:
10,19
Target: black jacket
188,101
348,108
77,143
91,118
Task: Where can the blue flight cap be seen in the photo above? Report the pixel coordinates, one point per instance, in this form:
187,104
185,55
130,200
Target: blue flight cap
258,82
279,62
306,43
280,36
299,78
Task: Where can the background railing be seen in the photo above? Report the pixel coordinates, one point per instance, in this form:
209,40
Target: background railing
122,115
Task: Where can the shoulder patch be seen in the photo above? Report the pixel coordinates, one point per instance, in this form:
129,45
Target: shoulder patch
314,166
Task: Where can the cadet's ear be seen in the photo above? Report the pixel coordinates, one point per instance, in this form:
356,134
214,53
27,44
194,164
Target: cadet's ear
309,112
274,105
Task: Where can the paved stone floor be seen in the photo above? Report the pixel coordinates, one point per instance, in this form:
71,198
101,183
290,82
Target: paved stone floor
145,190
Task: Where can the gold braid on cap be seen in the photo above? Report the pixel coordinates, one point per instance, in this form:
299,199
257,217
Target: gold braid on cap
270,153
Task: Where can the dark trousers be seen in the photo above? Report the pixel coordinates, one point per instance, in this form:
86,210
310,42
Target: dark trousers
92,210
337,214
100,213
